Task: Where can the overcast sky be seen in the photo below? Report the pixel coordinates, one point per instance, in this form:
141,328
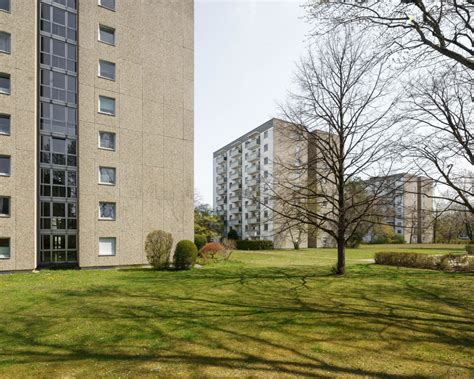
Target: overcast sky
245,56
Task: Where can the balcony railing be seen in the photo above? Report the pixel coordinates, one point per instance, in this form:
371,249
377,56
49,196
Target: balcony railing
220,170
253,220
221,179
234,174
252,207
235,152
235,163
221,159
253,156
253,169
253,144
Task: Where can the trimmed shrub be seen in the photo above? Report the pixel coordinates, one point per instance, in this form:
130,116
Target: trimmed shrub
200,241
158,246
233,235
211,252
447,262
470,247
185,255
254,245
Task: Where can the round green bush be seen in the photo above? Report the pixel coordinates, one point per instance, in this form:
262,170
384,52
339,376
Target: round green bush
158,247
200,241
185,255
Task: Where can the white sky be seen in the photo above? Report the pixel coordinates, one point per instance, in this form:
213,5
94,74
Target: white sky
245,56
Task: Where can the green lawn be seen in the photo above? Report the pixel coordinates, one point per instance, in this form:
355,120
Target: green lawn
263,314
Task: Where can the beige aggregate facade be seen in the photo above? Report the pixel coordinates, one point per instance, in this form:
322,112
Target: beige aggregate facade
154,92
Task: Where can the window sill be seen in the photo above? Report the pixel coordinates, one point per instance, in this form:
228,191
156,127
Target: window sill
5,52
4,259
5,175
106,43
106,78
5,93
107,184
5,134
106,255
109,9
4,216
107,219
106,148
107,114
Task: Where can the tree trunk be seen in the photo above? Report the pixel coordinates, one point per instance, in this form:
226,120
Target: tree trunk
341,257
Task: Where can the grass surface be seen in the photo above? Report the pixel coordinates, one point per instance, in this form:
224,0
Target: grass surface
263,314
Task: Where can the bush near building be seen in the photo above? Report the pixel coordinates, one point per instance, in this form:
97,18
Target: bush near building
200,240
254,245
158,246
185,255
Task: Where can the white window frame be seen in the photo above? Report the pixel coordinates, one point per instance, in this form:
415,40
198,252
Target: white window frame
108,148
108,218
115,106
113,241
106,77
9,248
106,183
9,43
110,29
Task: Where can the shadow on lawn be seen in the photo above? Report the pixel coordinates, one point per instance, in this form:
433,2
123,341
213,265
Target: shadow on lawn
253,321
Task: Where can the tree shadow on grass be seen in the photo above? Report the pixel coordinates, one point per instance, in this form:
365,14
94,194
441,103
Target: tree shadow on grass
252,321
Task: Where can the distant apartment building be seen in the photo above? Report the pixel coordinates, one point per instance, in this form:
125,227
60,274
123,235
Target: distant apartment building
244,173
408,206
96,129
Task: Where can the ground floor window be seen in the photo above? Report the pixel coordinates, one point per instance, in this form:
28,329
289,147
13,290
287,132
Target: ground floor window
4,248
107,246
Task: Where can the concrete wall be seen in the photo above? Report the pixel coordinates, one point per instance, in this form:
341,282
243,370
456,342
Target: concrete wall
21,144
154,92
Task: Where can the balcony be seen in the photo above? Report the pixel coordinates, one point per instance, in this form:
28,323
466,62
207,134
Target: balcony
221,190
234,174
252,207
235,220
253,144
253,182
220,170
221,179
221,159
253,169
253,220
253,156
234,163
236,152
235,210
234,197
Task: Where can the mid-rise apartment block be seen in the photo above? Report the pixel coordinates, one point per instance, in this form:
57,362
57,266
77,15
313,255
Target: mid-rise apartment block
407,206
96,129
244,191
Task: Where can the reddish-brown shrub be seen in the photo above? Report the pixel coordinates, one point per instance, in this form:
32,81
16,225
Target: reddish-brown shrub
210,252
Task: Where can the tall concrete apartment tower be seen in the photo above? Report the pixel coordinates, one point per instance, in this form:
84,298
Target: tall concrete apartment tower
96,129
244,171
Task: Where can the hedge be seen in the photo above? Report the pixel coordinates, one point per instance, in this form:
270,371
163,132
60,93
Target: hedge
254,245
447,262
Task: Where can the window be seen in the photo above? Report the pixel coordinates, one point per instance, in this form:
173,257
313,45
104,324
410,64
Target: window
5,124
5,84
265,200
107,140
107,175
5,5
4,206
265,160
107,105
107,70
5,165
58,54
265,227
107,211
265,134
265,174
106,35
5,42
58,86
109,4
57,21
265,147
107,246
4,248
58,151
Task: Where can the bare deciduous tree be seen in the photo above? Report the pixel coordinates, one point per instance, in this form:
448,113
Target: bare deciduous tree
342,113
440,113
419,27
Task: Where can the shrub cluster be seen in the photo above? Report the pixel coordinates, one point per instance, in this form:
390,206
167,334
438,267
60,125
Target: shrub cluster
185,255
254,245
470,247
200,241
211,252
447,262
385,239
158,246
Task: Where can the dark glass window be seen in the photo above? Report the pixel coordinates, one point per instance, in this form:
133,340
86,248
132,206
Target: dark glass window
107,140
5,42
107,211
107,175
5,86
107,105
107,70
109,4
107,35
4,206
5,5
5,165
5,124
4,248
